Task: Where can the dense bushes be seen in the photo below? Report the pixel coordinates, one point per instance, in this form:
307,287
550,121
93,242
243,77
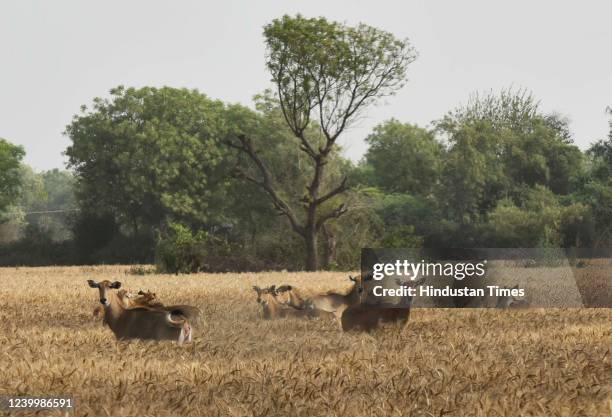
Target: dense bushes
181,251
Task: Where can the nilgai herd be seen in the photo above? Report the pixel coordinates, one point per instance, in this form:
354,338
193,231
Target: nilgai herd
142,316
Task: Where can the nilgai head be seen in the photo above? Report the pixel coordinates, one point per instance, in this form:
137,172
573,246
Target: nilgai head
147,298
103,287
284,294
264,294
266,297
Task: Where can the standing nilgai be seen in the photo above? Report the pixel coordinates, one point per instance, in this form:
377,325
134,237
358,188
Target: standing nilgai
146,323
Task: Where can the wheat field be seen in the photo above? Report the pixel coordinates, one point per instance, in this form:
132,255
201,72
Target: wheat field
445,363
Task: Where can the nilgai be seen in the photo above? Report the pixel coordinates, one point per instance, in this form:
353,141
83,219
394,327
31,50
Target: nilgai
146,323
272,308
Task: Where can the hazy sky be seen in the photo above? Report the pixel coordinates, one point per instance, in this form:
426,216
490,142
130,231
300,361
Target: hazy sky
58,55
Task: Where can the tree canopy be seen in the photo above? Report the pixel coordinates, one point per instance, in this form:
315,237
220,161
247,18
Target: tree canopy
10,176
147,154
405,158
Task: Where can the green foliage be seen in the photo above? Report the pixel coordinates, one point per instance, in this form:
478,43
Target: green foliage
328,72
49,199
36,248
361,227
92,232
140,270
404,158
401,237
598,197
148,154
10,176
497,145
336,69
180,251
154,182
600,155
541,221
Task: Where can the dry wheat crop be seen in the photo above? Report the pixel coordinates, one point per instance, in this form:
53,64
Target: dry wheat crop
445,363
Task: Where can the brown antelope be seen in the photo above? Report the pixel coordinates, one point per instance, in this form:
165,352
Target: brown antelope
290,296
146,299
140,322
336,303
130,300
149,300
272,308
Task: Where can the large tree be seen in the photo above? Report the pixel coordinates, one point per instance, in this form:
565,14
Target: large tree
497,146
325,74
600,154
148,155
596,189
10,174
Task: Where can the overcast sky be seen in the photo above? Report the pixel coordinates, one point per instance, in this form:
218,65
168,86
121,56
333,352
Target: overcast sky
58,55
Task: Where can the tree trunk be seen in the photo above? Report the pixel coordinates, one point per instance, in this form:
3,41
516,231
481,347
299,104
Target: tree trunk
312,255
330,246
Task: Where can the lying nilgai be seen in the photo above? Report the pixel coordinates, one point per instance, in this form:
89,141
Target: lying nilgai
351,311
291,296
330,302
272,308
129,299
146,323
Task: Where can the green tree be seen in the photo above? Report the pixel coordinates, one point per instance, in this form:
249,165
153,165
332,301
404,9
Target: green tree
497,145
404,158
600,154
10,174
149,155
51,203
329,73
595,190
534,224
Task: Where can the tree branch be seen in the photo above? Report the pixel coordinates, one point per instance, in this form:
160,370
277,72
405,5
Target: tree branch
334,214
338,190
246,146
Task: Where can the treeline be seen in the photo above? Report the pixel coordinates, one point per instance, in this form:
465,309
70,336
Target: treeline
171,176
152,179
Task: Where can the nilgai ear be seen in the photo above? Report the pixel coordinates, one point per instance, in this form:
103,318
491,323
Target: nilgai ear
93,284
116,285
352,278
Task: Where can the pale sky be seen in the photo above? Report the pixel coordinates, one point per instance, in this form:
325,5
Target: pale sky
58,55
